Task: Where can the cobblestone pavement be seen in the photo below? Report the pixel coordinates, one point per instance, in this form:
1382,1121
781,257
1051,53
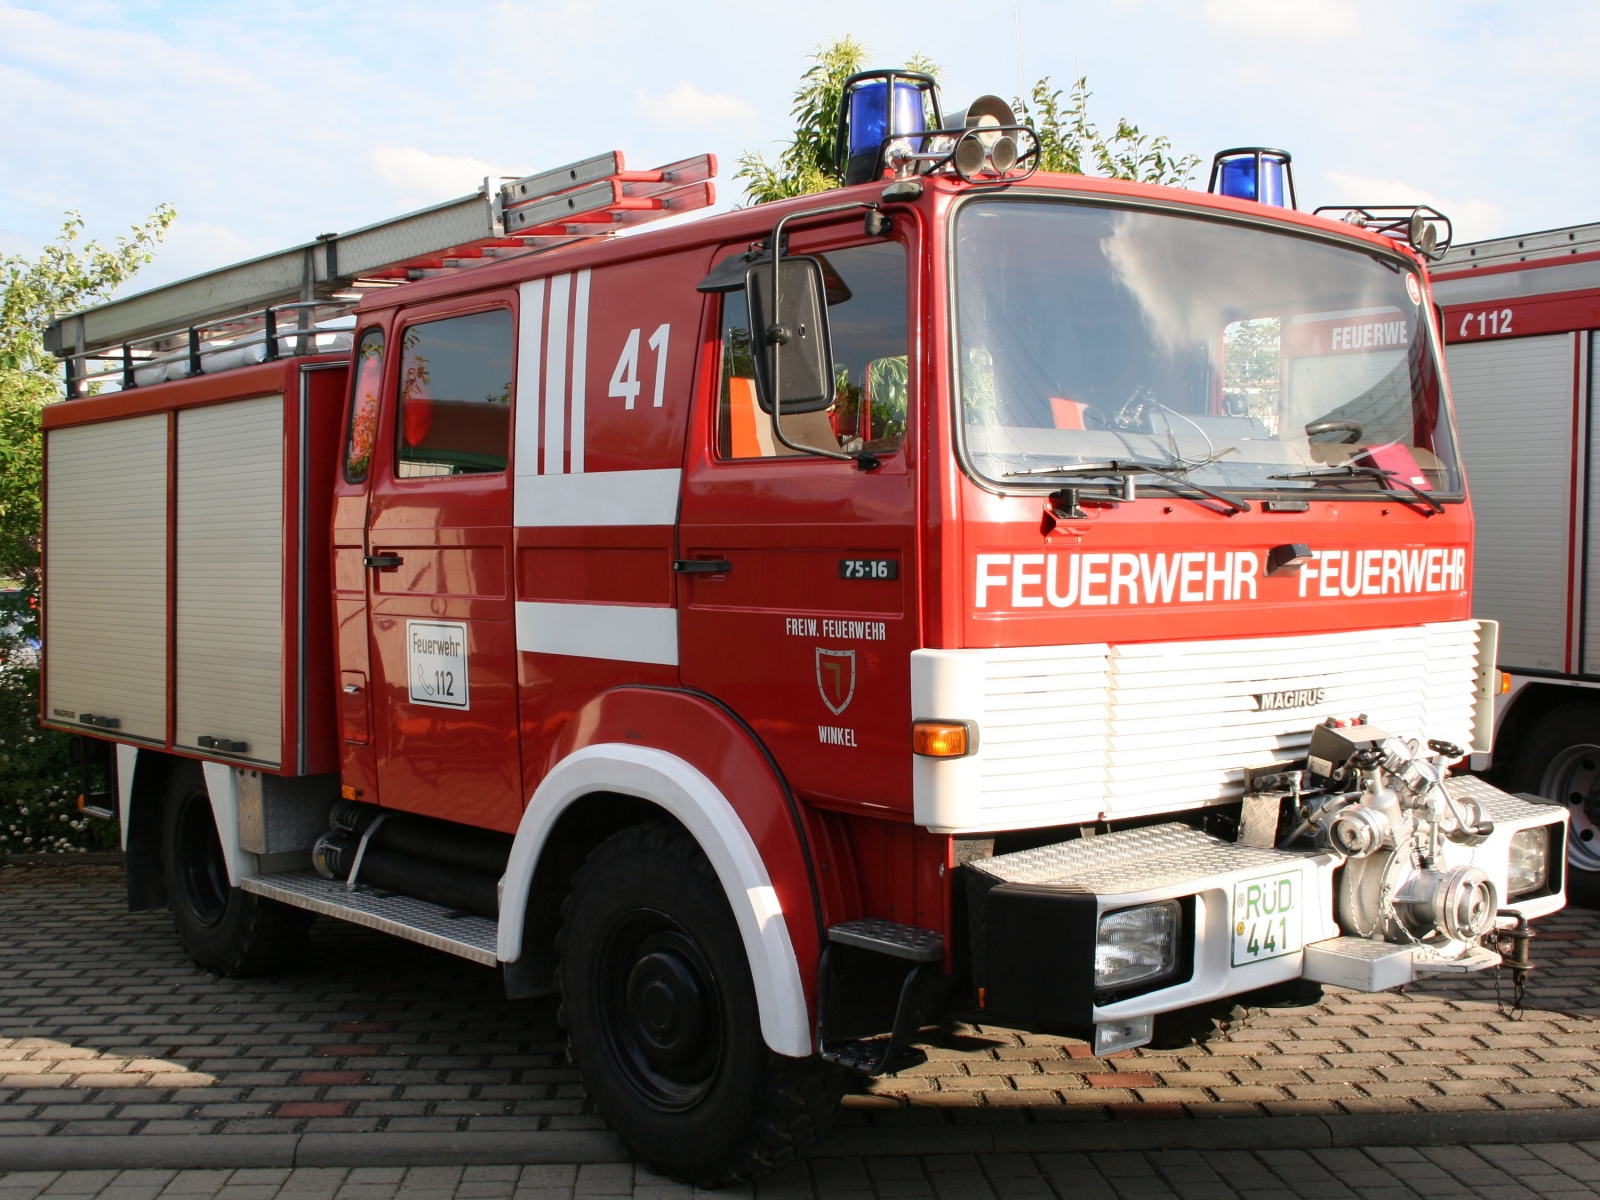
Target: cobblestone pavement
1442,1173
106,1027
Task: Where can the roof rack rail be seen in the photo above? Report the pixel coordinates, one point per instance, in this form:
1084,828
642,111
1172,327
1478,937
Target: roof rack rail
301,300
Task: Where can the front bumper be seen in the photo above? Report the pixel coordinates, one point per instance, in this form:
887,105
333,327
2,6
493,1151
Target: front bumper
1034,917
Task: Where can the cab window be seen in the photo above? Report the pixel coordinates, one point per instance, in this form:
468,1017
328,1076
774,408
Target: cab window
866,293
364,406
455,396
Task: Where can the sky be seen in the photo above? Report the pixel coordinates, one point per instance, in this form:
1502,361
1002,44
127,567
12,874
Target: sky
270,123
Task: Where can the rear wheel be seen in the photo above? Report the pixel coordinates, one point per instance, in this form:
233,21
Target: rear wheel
662,1018
224,929
1560,760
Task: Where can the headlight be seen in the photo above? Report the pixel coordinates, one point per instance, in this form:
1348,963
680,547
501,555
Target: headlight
1528,865
1136,944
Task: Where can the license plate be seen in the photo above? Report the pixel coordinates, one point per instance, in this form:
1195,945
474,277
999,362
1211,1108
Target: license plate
1266,917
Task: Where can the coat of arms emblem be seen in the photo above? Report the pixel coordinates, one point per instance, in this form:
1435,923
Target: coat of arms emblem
836,678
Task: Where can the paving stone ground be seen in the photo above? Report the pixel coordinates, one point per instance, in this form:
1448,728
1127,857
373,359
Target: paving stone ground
1440,1173
106,1027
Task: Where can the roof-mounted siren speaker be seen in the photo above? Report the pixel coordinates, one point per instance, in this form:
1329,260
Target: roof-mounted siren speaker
1421,234
1254,173
996,151
882,117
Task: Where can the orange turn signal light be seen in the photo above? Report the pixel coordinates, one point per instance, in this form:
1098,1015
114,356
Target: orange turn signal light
942,739
1505,682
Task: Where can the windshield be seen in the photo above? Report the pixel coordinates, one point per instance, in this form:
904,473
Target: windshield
1225,353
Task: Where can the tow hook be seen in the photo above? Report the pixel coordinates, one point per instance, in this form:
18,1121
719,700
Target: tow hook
1515,947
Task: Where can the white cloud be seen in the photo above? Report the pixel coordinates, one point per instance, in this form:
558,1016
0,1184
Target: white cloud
448,93
688,105
1472,220
193,247
1309,20
421,178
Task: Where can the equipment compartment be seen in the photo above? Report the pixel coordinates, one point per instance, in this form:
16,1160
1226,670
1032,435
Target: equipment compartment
186,556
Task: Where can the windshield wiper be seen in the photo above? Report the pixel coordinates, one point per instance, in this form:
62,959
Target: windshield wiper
1127,468
1350,471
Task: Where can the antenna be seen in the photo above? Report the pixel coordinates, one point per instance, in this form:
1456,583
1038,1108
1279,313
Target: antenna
1016,17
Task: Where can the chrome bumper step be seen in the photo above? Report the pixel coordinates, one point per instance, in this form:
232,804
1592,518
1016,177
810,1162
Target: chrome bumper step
1368,966
1131,860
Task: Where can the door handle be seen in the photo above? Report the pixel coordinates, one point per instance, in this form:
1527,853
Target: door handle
701,566
381,561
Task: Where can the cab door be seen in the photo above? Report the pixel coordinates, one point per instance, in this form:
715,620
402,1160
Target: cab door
796,571
438,563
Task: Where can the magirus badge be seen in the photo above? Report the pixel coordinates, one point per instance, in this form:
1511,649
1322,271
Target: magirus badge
1290,698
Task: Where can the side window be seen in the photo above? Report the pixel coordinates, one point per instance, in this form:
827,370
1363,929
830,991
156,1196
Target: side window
455,396
364,406
866,288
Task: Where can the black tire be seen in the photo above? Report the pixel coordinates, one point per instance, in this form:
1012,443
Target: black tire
661,1017
1552,762
226,930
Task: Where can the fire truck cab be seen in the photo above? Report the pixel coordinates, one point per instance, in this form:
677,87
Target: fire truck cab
976,590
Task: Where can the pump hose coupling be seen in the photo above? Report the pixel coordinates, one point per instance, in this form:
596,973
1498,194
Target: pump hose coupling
1359,830
1463,903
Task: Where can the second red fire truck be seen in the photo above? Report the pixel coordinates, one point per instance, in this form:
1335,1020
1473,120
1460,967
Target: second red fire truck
972,590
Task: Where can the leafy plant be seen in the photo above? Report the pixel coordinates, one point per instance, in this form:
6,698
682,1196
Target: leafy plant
807,164
1069,142
38,786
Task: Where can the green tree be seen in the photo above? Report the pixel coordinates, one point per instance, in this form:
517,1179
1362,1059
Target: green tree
1070,142
807,164
38,786
65,277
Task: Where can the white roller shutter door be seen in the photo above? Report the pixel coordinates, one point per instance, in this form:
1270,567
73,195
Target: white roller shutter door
1589,663
230,576
1514,404
105,582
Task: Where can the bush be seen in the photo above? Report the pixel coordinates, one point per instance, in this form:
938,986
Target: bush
39,785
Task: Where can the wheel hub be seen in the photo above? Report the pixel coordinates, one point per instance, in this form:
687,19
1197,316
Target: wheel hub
666,1000
661,1010
1573,778
202,870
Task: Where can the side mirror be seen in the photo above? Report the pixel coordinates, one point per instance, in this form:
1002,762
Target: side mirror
793,355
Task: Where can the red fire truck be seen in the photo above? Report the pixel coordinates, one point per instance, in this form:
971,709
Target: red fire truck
971,590
1518,316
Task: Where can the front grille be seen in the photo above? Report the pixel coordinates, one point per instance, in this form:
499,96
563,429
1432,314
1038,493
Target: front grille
1069,732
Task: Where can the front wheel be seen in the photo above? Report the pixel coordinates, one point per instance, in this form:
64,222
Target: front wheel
662,1019
224,929
1559,759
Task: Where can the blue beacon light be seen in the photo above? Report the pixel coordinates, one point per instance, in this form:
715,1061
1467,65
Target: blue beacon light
869,116
1254,173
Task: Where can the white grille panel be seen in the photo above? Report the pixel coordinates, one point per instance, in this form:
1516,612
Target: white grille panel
1043,728
1074,733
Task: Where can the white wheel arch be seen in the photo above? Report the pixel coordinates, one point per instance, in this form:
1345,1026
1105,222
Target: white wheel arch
699,805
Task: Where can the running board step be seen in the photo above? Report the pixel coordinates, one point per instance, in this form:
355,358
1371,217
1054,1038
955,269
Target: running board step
463,934
897,941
